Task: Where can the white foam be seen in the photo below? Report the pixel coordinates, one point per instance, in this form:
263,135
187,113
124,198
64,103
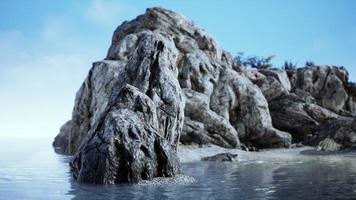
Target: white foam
178,179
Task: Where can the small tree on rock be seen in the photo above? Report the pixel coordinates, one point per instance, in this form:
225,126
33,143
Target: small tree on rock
289,65
309,63
254,61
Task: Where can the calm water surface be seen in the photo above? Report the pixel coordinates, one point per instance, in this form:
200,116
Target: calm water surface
29,169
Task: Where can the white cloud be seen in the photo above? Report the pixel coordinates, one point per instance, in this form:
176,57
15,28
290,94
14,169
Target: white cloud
41,70
38,83
37,95
37,88
108,13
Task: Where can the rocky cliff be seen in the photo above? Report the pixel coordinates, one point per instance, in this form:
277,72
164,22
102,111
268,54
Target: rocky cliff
165,80
312,103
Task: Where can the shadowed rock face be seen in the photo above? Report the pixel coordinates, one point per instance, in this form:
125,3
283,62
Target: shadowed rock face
127,146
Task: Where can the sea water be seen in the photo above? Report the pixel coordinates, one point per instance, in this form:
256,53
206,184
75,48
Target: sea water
29,169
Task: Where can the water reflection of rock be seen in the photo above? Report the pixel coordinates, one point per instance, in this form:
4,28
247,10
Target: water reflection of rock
134,191
235,180
258,178
326,177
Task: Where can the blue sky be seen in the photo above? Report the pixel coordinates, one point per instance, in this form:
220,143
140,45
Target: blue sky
47,47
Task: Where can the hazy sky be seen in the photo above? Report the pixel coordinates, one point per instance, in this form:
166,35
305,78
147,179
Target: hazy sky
47,47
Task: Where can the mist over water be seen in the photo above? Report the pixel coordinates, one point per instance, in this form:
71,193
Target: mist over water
29,169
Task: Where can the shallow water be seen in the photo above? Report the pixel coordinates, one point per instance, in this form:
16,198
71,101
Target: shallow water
29,169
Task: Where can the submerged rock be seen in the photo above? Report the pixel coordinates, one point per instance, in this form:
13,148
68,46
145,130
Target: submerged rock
222,157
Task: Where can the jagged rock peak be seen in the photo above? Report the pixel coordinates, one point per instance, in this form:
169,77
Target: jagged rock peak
185,34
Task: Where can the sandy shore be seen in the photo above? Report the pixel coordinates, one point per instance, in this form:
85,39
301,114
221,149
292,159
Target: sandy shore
191,153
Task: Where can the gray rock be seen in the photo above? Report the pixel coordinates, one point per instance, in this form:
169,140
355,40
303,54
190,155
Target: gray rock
280,75
291,113
310,123
126,145
61,142
271,88
228,108
129,112
326,84
304,96
215,128
222,157
253,75
351,104
346,136
248,111
328,145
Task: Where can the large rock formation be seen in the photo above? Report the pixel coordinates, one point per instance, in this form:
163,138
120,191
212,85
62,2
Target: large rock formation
165,80
222,105
128,114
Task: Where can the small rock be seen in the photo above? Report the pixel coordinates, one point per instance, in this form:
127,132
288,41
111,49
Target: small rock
328,144
222,157
298,145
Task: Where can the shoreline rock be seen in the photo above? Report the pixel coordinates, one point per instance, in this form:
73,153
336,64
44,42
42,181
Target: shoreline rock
328,145
222,157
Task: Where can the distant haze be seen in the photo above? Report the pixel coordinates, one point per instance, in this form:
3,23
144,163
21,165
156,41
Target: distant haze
47,47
